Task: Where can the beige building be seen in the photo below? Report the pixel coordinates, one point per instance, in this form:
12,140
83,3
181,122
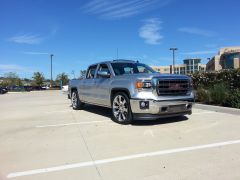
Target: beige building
162,69
190,66
227,58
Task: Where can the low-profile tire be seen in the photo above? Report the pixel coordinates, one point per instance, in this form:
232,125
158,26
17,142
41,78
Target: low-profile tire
121,109
76,103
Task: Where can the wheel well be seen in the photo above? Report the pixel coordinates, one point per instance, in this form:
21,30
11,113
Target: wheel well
114,91
72,89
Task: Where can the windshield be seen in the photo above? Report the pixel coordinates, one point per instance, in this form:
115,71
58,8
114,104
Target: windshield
131,68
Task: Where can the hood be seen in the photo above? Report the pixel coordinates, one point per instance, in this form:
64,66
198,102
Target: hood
155,75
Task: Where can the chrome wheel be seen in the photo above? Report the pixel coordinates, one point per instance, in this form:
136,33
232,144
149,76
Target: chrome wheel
74,99
120,108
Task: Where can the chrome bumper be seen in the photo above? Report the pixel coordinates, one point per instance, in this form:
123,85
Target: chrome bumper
162,107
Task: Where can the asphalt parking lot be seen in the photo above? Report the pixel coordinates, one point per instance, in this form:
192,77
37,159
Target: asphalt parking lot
42,138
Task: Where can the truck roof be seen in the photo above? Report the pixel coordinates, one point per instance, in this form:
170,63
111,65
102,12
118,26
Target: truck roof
116,61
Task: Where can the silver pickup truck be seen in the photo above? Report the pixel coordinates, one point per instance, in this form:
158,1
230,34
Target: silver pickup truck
133,91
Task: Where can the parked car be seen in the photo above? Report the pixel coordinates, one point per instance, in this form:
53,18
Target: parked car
16,88
133,91
65,89
55,87
28,88
3,90
45,87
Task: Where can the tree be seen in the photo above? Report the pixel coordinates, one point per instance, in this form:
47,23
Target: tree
12,79
83,74
4,83
38,78
62,77
19,82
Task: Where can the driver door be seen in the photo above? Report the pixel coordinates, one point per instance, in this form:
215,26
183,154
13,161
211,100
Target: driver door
102,84
87,89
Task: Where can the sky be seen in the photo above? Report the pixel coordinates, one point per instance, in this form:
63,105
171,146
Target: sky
80,32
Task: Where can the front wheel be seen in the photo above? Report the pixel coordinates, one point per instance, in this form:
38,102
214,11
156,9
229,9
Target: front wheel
121,108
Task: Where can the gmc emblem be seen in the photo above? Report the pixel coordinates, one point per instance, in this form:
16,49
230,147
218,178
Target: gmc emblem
175,87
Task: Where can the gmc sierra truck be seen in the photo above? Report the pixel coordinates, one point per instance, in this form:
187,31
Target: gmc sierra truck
133,91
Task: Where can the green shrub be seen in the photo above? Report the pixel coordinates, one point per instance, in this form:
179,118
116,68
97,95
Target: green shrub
233,99
203,95
230,77
221,87
219,93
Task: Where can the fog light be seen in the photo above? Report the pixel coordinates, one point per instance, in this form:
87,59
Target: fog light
144,104
189,106
164,109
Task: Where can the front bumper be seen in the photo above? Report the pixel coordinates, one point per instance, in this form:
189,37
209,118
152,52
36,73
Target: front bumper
158,109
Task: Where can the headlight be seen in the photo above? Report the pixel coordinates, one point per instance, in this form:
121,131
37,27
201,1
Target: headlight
142,84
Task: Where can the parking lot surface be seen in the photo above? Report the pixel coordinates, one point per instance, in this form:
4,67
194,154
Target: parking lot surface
42,138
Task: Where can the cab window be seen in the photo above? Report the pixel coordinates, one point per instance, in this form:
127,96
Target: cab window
103,68
91,72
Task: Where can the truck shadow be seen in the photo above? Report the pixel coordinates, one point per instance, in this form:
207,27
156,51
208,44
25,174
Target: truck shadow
103,111
159,121
99,110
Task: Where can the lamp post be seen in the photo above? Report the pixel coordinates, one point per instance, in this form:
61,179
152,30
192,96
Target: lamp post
193,65
173,50
51,56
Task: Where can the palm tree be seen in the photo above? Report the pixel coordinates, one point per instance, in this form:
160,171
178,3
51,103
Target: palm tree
62,77
38,78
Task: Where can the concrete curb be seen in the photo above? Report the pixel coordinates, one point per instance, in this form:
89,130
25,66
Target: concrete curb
16,92
220,109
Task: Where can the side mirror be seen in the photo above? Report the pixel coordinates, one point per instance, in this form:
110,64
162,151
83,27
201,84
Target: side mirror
103,74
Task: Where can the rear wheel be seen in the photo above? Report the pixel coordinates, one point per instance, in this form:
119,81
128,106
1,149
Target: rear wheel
76,103
121,108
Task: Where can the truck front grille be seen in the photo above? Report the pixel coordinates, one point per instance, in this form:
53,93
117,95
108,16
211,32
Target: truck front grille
173,87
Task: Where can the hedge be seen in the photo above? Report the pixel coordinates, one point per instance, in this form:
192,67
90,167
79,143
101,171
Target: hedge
230,78
220,88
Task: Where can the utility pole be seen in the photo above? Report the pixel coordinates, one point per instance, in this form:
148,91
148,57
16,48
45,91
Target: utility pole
193,65
117,53
51,56
173,67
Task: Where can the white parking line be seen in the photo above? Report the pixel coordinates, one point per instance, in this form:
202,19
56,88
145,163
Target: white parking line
121,158
70,124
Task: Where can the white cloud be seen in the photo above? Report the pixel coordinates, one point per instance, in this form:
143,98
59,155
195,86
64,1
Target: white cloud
26,39
35,53
115,9
14,68
197,31
150,31
199,52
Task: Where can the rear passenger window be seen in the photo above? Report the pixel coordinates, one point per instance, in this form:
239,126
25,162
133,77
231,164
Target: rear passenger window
91,72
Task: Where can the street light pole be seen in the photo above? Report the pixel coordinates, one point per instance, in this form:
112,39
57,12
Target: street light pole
173,66
51,56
